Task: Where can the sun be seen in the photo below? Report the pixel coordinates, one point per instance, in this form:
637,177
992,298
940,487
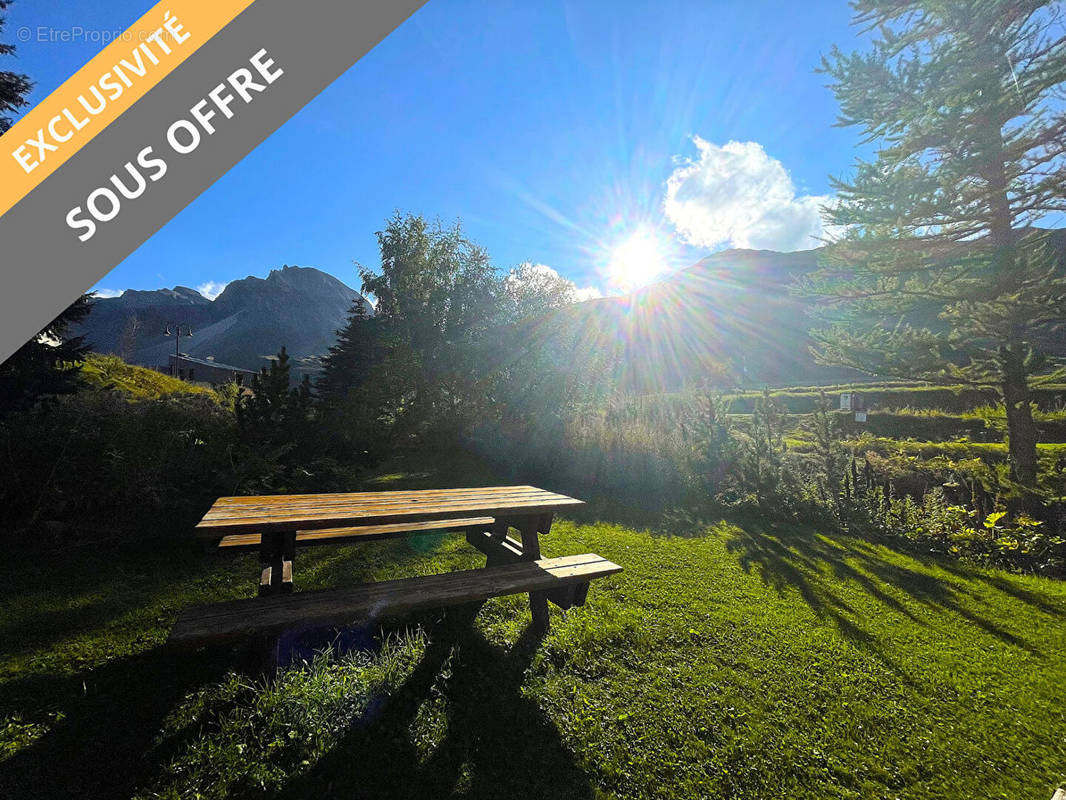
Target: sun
636,261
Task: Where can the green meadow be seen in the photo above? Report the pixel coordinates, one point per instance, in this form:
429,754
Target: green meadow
740,659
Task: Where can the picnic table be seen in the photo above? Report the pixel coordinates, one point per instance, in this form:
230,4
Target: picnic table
277,525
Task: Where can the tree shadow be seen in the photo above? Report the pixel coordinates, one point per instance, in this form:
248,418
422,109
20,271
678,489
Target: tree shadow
497,743
814,564
84,591
1008,584
1038,600
106,743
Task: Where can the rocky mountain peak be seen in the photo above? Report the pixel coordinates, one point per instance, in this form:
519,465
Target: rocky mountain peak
300,308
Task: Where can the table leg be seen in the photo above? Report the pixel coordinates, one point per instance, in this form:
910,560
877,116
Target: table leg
529,528
277,551
501,549
497,554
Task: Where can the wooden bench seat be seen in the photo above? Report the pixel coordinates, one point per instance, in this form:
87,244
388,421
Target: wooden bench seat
251,541
384,600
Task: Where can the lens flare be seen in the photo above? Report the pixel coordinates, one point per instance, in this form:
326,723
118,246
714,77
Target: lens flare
636,260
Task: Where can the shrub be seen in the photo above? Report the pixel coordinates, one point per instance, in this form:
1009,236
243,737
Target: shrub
100,460
714,451
937,525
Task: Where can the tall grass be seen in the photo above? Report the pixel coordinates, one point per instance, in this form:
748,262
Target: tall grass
617,452
140,383
643,446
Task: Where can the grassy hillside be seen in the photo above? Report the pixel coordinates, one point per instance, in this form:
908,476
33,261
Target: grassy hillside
139,383
743,660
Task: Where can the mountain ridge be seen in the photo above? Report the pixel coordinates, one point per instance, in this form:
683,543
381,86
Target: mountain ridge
731,317
299,308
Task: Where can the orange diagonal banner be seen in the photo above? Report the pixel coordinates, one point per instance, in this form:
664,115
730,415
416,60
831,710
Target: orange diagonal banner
97,94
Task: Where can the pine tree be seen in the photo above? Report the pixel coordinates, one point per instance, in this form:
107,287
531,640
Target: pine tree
350,358
48,364
939,273
13,86
271,411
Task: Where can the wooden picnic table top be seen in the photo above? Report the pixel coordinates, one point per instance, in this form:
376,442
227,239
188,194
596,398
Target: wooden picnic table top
281,513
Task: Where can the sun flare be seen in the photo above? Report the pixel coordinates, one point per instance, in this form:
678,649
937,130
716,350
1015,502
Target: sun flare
636,260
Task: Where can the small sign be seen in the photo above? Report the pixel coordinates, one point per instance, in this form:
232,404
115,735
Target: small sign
860,416
845,401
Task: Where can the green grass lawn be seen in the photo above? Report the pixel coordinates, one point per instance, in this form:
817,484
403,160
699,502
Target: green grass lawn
745,661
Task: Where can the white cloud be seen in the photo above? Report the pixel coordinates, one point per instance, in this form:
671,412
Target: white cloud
534,278
211,289
106,293
586,293
737,194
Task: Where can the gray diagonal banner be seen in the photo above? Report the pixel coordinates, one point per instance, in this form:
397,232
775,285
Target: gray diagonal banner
46,266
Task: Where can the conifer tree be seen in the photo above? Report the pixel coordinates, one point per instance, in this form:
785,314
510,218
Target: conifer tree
13,85
939,273
272,411
350,358
48,364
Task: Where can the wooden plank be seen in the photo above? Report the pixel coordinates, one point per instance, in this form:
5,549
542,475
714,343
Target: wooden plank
401,586
269,504
402,595
353,507
225,506
251,541
389,599
328,519
242,504
342,518
253,499
521,506
230,506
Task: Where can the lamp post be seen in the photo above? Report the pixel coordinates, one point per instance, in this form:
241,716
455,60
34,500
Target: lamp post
177,334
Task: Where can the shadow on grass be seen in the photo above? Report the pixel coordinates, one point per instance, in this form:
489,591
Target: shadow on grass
797,557
497,742
1004,584
106,745
57,595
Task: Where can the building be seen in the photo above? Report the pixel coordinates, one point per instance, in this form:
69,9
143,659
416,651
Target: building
206,370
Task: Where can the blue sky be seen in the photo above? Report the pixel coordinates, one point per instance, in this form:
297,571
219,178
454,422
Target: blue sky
576,135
